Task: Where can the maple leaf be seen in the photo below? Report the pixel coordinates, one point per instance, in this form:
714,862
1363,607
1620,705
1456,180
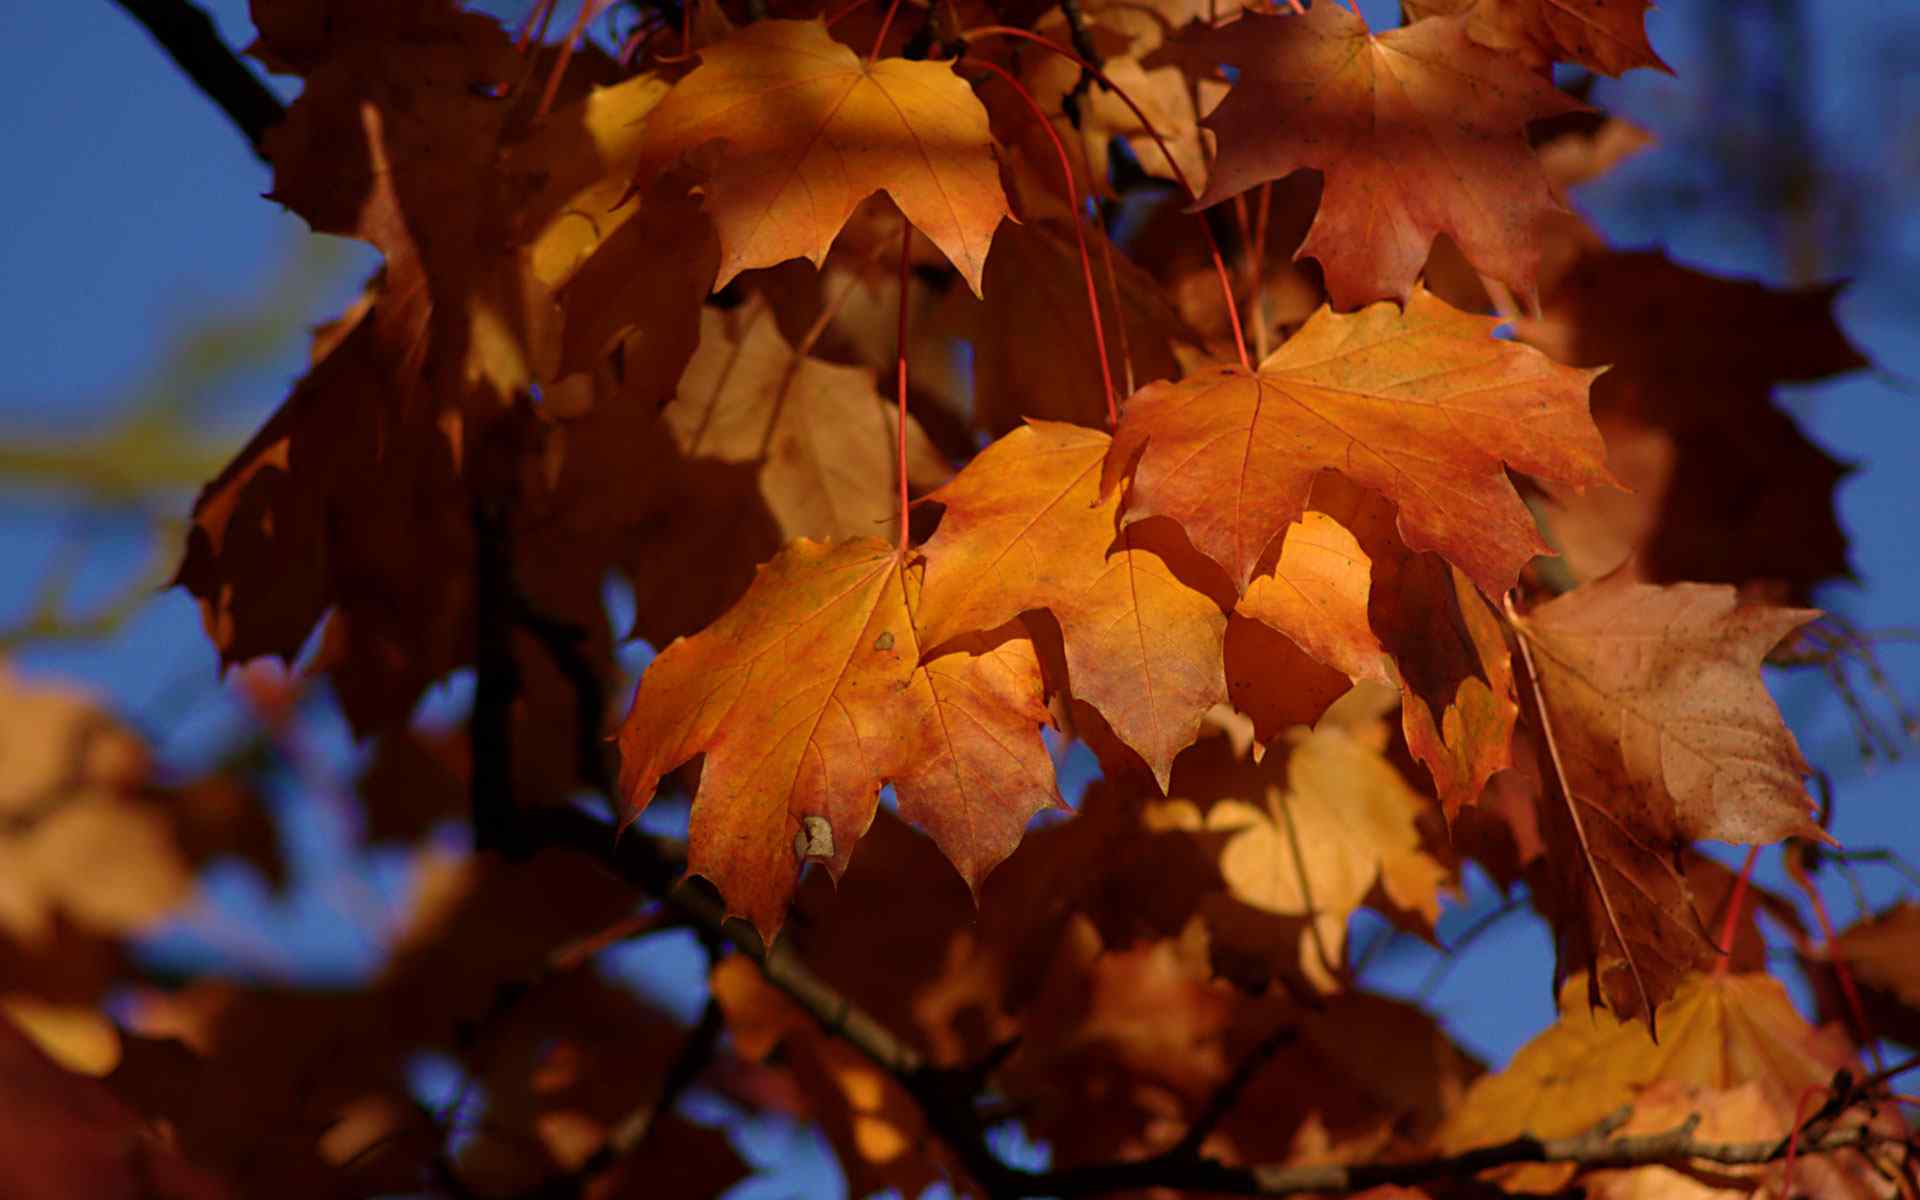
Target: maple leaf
1300,637
1317,595
1127,35
1455,672
356,497
1877,952
1421,405
1126,1045
1310,833
1420,131
1662,732
1690,425
820,667
820,436
807,131
1609,36
1727,1039
1025,528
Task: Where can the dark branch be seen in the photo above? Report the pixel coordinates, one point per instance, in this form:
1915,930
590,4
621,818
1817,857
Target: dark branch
950,1098
496,685
188,36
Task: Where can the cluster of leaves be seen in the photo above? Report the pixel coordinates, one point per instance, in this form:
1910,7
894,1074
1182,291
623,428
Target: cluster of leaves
1249,499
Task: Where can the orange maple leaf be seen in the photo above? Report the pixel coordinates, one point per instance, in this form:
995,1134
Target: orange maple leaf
1455,671
808,131
810,693
1420,131
1300,637
1421,406
1026,528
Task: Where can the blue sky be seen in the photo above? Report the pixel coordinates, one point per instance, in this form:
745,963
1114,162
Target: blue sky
134,212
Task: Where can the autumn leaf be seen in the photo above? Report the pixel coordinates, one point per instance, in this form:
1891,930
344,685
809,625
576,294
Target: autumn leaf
354,502
1025,528
807,131
1656,701
810,693
1300,637
1725,1039
1045,364
1422,406
66,1135
1420,131
819,435
1610,36
875,1127
1310,831
1127,35
1691,427
86,844
1878,953
1317,596
1455,671
1124,1046
1662,732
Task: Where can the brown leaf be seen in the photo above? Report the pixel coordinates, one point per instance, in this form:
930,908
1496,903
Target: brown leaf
1662,733
1124,1047
1420,131
1317,595
356,497
1609,37
1726,488
819,435
66,1136
1879,953
1033,337
873,1124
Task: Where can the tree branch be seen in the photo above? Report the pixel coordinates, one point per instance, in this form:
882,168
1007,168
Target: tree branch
189,37
949,1098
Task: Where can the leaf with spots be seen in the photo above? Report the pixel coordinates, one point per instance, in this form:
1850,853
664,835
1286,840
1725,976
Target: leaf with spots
807,696
1661,732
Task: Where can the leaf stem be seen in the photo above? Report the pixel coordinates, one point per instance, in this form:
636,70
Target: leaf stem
1573,813
588,10
1260,227
1849,991
1079,235
900,363
1213,244
886,23
1735,902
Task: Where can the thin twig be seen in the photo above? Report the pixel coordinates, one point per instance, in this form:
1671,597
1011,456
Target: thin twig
1221,1103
